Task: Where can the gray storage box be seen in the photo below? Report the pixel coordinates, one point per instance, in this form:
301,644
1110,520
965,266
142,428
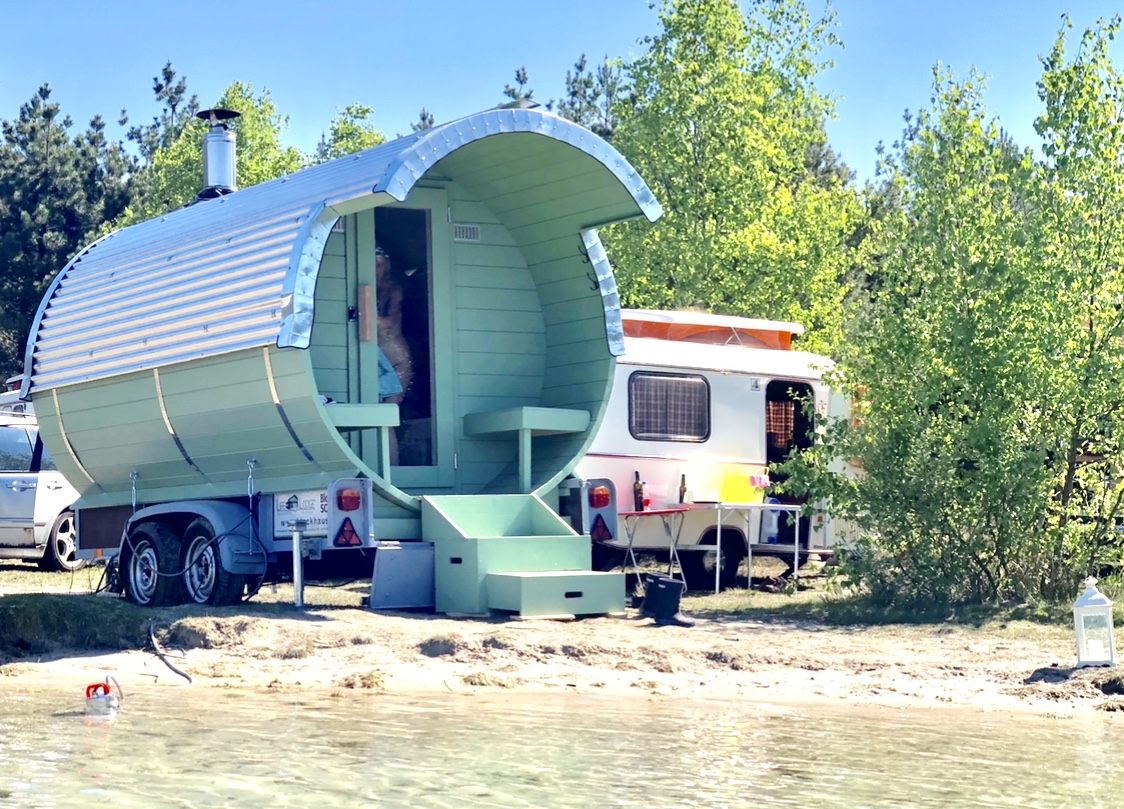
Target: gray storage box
403,576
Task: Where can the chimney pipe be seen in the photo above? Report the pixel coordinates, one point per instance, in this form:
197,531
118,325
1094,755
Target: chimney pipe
219,178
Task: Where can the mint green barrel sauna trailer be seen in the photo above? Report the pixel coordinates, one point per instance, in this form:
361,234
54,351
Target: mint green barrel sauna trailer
431,319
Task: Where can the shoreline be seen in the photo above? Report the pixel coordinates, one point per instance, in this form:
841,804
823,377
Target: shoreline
1013,667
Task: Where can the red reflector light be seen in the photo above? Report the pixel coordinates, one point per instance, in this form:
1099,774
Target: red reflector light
347,536
599,530
348,499
599,497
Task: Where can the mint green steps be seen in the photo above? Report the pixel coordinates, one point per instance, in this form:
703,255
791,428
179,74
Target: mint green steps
477,538
556,593
461,566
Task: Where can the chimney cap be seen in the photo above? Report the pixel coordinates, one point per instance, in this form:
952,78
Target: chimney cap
216,116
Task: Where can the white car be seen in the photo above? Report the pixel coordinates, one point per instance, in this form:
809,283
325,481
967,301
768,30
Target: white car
36,520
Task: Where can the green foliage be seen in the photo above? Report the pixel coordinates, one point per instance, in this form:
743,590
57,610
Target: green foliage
520,92
591,97
988,364
351,131
424,122
176,113
55,190
175,174
954,481
723,120
1083,191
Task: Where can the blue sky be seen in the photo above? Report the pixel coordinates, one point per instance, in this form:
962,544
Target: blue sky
454,56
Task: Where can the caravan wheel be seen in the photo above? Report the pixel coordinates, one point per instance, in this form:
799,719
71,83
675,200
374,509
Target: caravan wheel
204,579
698,565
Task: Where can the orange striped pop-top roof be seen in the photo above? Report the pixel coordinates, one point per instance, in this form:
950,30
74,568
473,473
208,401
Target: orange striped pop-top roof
703,327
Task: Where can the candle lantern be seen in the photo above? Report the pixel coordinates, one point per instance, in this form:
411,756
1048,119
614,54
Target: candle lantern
1092,621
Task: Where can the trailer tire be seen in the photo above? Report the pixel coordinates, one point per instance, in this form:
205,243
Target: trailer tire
698,565
205,581
150,566
61,546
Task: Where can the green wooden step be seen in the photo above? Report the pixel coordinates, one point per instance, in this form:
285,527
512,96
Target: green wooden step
556,593
462,565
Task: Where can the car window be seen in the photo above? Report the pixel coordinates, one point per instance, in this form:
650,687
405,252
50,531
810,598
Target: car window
46,462
41,460
15,449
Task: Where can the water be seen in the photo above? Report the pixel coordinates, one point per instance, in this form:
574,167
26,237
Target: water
207,748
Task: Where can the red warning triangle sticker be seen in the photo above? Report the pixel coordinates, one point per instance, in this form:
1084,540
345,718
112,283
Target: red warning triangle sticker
347,536
599,530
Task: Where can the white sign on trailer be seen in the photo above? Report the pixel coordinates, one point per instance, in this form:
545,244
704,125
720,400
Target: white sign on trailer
310,506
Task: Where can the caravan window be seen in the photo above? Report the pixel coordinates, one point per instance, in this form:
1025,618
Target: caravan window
668,407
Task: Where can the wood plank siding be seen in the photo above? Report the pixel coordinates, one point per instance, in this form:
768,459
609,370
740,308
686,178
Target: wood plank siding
499,343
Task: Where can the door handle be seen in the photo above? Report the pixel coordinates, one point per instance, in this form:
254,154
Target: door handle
21,485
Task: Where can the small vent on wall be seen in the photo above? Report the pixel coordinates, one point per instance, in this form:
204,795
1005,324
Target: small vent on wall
339,226
466,233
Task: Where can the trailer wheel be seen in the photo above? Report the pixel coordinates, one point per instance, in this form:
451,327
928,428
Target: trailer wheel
150,566
59,553
204,579
698,565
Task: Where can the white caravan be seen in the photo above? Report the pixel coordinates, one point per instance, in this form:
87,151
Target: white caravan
701,405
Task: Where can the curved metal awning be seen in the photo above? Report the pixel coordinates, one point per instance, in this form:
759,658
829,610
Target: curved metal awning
240,271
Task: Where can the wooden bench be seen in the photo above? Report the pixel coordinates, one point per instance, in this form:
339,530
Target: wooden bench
345,416
526,422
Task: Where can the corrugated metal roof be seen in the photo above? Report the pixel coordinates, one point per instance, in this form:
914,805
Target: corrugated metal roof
239,271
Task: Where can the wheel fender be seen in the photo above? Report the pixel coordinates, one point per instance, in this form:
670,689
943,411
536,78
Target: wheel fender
238,550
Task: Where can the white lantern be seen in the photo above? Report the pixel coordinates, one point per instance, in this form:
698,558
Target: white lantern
1092,621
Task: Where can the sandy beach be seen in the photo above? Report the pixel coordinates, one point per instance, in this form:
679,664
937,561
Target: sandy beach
1016,666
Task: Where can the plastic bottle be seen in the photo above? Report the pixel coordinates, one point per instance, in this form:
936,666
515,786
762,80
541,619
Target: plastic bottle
637,494
645,496
771,523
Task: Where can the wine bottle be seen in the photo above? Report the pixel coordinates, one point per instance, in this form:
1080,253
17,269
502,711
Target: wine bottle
637,494
682,488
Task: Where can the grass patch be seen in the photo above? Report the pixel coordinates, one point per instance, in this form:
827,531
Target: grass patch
375,679
823,607
293,651
482,679
441,645
26,577
338,593
33,624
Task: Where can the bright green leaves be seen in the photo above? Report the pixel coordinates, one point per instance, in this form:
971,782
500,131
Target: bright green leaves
175,174
990,358
722,117
353,131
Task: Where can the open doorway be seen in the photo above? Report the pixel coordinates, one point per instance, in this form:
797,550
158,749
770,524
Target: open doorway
788,429
403,299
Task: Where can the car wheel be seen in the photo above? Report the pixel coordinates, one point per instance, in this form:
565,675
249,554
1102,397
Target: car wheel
151,575
60,551
204,579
